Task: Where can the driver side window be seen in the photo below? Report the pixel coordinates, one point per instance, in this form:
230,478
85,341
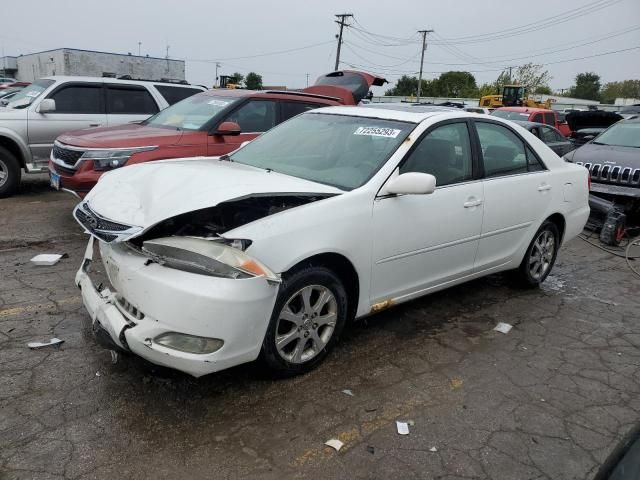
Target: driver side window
445,153
254,116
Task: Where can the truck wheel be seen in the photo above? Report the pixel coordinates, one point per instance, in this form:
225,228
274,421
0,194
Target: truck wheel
9,173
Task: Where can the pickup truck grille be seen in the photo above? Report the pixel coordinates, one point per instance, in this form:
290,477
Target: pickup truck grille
613,174
67,156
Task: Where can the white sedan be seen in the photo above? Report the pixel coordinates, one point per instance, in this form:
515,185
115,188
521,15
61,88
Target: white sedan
336,214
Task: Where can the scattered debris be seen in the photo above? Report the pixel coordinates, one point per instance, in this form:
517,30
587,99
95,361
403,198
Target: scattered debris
542,400
51,343
411,423
97,374
370,409
503,327
456,383
402,427
334,443
348,392
433,449
114,356
48,259
371,449
11,330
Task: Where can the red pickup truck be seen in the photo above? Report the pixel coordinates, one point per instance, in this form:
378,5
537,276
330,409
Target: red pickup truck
211,123
538,115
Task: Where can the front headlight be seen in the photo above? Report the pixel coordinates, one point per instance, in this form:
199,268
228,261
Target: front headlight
206,257
113,157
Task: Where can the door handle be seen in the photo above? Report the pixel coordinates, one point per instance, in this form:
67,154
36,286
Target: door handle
544,187
94,124
472,203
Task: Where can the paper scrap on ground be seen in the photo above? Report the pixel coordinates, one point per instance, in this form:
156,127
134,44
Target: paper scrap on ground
348,392
50,343
433,449
403,428
334,443
503,327
46,259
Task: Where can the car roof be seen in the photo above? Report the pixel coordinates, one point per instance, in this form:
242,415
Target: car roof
403,113
524,109
67,78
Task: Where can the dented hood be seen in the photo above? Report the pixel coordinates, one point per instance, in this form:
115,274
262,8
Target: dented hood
145,194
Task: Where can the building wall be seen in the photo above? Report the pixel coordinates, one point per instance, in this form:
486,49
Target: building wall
95,64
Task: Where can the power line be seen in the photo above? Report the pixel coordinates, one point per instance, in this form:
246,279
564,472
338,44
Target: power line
266,54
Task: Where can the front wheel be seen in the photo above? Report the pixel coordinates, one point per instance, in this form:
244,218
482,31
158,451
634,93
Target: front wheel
9,173
540,256
307,319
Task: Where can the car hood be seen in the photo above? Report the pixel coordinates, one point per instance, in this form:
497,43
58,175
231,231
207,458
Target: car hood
121,136
596,119
13,113
607,154
145,194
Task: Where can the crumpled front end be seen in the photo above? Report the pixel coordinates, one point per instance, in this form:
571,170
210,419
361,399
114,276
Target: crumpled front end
192,322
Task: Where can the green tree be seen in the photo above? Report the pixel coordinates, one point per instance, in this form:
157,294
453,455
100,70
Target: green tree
253,81
236,78
543,89
623,89
531,76
456,84
587,86
405,86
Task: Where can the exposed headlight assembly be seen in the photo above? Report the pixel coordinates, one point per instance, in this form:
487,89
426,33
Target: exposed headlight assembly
206,257
112,157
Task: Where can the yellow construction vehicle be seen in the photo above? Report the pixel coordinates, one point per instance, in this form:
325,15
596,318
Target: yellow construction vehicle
512,96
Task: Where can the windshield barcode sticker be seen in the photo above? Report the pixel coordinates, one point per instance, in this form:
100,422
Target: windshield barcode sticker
377,132
218,103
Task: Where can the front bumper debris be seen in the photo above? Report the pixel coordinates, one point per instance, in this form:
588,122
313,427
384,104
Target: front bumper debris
147,300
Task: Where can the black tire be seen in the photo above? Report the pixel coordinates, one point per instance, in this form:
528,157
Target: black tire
9,173
308,277
523,274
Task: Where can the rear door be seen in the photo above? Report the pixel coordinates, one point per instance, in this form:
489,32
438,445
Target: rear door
255,117
128,104
517,193
78,105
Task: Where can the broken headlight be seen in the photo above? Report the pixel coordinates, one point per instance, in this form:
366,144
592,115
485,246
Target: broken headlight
112,157
205,257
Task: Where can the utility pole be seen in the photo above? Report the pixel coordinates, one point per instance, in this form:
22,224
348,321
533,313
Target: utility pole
342,22
307,79
167,57
424,47
215,83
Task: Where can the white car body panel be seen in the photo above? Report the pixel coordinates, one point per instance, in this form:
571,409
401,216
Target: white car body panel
400,247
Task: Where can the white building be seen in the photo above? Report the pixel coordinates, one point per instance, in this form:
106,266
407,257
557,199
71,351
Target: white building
71,61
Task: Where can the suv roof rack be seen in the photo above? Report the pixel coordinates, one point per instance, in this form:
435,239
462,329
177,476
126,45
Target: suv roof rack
162,80
303,94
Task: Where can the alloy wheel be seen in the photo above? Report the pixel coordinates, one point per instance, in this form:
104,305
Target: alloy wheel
306,323
542,253
4,173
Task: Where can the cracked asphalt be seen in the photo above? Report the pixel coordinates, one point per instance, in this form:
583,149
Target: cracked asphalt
548,400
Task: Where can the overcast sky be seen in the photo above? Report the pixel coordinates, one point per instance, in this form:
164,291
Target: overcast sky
205,31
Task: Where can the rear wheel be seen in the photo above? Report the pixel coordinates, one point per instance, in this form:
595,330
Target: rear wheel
9,173
540,256
308,317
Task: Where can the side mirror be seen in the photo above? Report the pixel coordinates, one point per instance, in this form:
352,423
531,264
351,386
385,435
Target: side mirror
587,138
47,105
228,128
411,183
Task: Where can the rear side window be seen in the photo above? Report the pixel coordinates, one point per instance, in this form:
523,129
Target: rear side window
550,135
255,116
79,99
291,109
175,94
549,119
537,118
502,150
130,100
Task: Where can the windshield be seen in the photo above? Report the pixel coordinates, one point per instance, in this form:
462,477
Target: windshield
510,115
621,135
192,113
24,98
341,151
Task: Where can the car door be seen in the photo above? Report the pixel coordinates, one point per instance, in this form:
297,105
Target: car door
254,117
517,193
554,140
128,104
78,105
421,241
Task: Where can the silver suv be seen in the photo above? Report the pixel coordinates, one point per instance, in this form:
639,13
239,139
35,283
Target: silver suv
32,119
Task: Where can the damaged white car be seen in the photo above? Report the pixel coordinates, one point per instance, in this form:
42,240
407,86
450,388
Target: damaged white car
333,215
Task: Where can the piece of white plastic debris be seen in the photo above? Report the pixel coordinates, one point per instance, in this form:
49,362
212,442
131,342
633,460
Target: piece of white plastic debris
97,374
46,259
403,428
433,449
411,423
50,343
348,392
503,327
334,443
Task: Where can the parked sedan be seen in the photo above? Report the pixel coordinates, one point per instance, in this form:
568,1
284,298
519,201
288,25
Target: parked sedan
549,135
336,214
